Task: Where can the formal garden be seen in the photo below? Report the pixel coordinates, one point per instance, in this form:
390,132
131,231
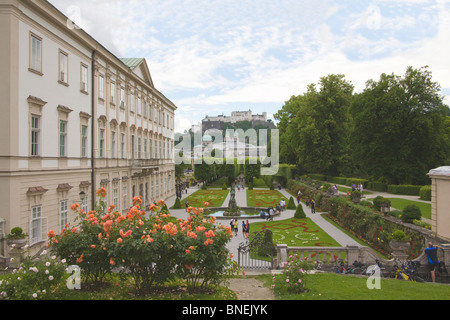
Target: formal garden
327,138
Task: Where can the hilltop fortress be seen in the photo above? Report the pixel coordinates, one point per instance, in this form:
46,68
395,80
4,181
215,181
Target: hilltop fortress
217,122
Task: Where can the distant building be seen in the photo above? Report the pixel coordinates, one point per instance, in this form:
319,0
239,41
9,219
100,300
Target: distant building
217,122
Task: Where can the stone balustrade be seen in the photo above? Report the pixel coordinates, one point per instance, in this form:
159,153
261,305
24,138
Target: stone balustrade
328,256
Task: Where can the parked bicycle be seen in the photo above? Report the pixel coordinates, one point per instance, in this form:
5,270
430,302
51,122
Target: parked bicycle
407,271
374,269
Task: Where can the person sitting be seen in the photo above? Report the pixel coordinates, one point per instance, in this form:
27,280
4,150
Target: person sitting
262,214
277,209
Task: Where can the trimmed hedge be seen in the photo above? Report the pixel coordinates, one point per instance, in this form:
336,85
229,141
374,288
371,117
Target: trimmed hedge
291,204
404,189
377,186
425,193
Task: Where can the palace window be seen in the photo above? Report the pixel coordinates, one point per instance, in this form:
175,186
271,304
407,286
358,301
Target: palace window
35,135
63,67
35,53
62,138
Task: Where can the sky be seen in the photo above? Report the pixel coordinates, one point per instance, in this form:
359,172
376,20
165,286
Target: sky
212,57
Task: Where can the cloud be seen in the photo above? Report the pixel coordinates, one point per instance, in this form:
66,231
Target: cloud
219,56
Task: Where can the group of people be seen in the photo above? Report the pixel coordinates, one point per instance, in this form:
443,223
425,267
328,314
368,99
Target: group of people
358,187
234,224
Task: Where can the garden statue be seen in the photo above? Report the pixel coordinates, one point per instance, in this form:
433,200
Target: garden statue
233,209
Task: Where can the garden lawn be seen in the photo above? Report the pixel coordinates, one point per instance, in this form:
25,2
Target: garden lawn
264,198
215,198
299,233
332,286
400,204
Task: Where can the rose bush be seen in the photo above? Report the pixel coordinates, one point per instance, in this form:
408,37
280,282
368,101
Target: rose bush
150,246
201,249
34,280
293,278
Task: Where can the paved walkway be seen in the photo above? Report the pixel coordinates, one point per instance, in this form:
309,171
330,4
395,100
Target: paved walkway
241,200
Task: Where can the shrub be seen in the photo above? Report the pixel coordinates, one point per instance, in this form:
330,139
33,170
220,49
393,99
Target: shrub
16,233
338,180
177,204
224,186
34,279
293,278
425,193
299,212
395,213
152,247
377,202
410,213
291,204
398,235
365,203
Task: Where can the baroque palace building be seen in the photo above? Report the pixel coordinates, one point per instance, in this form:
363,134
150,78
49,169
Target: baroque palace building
74,118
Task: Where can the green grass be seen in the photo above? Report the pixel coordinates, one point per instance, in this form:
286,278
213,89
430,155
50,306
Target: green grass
214,197
264,198
400,204
331,286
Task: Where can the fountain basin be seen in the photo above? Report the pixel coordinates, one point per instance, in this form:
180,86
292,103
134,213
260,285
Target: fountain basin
245,213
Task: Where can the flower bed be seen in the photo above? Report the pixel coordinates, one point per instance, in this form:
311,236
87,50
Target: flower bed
264,198
215,198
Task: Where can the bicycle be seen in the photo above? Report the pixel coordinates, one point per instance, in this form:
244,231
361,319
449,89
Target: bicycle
372,269
339,267
407,271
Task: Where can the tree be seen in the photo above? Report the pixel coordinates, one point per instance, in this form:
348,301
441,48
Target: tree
287,126
323,126
398,130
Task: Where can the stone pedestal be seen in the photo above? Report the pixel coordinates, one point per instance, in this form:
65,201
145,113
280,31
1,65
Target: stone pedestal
399,249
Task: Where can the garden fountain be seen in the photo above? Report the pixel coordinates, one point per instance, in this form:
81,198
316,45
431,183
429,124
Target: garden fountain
232,210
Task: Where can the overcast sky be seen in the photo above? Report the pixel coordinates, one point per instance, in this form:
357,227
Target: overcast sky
212,57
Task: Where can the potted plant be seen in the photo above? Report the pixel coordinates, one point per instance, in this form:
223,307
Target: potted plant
16,238
399,243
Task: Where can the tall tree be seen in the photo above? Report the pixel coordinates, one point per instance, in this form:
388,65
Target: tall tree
287,126
322,125
399,127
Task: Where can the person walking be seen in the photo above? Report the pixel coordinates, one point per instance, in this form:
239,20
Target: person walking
313,206
186,204
244,229
433,261
236,225
299,195
247,228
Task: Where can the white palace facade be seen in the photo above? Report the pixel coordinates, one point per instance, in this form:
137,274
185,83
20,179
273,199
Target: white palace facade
74,118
